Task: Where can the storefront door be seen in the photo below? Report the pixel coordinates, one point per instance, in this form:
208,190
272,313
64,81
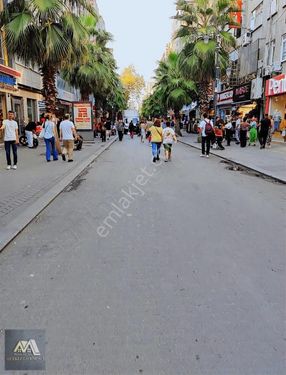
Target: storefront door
17,107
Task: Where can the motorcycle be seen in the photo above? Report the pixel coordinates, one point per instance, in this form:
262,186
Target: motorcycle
24,142
23,139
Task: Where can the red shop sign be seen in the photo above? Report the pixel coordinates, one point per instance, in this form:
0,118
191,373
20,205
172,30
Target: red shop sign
276,85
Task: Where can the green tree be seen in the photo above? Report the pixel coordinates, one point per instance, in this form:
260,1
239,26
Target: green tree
204,36
97,73
47,33
133,84
173,89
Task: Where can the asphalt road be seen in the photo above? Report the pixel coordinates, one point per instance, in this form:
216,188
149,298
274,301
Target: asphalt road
174,269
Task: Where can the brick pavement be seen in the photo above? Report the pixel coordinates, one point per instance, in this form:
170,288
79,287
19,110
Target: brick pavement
271,162
34,177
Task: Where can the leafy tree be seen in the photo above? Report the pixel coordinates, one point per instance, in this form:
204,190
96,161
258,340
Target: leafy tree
173,89
97,73
47,33
203,33
153,106
133,84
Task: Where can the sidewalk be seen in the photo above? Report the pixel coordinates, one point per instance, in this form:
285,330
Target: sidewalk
35,183
270,162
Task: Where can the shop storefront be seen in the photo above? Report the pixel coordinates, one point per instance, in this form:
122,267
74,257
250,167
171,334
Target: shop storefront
8,87
224,103
275,93
242,100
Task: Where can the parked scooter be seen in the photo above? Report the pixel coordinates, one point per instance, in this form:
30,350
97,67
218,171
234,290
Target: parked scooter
23,139
24,142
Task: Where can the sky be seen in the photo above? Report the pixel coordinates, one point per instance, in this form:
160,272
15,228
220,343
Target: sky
141,30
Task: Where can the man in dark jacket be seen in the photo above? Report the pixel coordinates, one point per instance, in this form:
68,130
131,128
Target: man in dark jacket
264,126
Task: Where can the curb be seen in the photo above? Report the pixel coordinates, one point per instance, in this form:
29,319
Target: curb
16,226
277,179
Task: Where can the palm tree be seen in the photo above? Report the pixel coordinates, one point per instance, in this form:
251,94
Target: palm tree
173,88
204,36
153,105
47,33
97,73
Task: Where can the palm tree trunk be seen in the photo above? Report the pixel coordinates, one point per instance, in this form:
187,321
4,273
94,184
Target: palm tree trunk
177,124
84,96
205,90
49,90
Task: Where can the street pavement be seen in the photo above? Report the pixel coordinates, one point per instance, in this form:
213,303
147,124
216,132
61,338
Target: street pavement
271,162
33,178
174,268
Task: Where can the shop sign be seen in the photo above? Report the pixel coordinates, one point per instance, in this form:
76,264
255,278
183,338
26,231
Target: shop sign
242,93
82,114
7,82
225,97
276,85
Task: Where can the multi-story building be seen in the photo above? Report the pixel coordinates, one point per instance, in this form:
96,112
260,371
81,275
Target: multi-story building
260,59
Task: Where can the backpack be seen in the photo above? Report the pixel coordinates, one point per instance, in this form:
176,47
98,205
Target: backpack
208,128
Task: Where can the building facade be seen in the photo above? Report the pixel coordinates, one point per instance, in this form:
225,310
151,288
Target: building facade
259,63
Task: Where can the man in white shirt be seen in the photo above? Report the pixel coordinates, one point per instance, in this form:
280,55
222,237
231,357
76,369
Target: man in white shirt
237,129
11,139
68,133
206,127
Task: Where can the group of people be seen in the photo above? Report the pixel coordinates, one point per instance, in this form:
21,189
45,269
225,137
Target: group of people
104,129
49,133
243,129
156,133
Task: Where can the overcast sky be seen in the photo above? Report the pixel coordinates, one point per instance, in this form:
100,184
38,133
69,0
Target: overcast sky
141,30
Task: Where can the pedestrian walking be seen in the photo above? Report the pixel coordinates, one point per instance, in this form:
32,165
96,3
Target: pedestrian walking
143,126
206,127
156,139
169,137
253,132
131,129
120,130
270,132
50,138
67,135
11,139
237,129
103,132
283,128
108,129
228,131
30,129
244,125
218,131
126,127
264,128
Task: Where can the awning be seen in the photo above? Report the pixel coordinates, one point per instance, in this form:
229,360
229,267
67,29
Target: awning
11,72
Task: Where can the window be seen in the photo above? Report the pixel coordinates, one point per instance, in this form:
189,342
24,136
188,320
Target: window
283,48
256,17
31,108
273,7
271,51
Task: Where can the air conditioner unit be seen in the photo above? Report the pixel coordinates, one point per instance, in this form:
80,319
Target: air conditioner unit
246,39
276,68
